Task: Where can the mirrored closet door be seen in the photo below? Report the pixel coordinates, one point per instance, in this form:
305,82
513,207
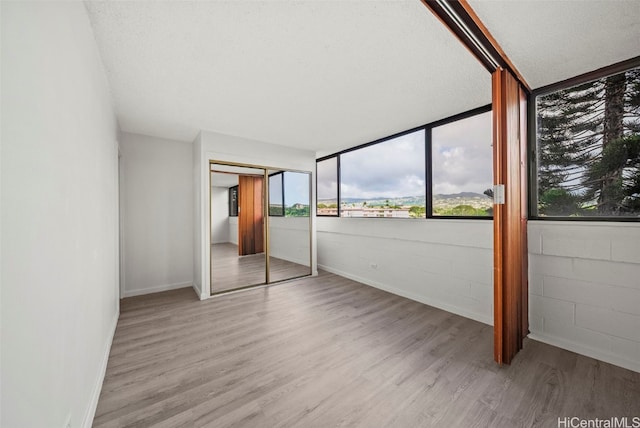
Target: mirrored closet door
260,226
237,241
289,225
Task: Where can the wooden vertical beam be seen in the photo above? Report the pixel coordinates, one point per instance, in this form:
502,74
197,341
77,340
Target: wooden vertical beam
245,204
258,214
250,215
499,167
510,221
510,170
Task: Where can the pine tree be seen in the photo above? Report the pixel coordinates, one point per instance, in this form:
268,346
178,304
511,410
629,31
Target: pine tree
575,127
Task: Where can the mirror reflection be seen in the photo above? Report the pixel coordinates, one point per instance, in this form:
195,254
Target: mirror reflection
238,256
258,214
289,225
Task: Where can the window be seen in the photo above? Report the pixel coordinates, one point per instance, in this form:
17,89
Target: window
296,194
462,159
289,194
385,179
327,187
440,170
588,148
233,201
276,195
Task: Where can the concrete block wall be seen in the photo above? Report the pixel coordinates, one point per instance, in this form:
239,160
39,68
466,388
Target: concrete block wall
584,286
443,263
290,239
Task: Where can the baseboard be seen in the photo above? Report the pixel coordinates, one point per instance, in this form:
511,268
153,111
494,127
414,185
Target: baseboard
198,291
157,289
95,395
605,356
435,303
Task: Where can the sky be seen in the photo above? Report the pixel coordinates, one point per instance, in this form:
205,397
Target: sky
327,179
296,188
462,156
275,189
390,169
462,162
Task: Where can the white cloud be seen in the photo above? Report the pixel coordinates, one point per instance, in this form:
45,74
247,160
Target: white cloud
393,168
462,156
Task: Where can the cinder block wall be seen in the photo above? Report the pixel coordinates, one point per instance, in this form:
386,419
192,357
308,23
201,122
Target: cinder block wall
584,286
443,263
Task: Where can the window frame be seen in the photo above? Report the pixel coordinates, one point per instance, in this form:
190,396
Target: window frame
284,192
380,141
233,203
324,158
428,165
532,134
281,193
429,155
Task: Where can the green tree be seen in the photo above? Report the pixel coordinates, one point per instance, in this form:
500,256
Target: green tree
617,177
559,202
464,210
575,126
297,211
417,211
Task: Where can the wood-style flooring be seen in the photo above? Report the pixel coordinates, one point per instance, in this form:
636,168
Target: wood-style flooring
326,351
230,271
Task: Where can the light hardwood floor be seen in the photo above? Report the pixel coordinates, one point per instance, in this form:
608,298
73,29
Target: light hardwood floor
326,351
231,271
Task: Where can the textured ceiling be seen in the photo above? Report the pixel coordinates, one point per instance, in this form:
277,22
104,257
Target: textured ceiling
550,41
318,75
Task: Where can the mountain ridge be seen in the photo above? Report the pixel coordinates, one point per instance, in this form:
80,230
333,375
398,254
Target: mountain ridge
406,200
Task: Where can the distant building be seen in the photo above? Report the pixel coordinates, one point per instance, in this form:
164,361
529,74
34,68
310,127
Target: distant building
327,211
375,212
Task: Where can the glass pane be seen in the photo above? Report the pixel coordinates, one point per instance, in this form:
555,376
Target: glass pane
327,189
233,201
385,179
296,194
290,235
276,207
462,167
588,139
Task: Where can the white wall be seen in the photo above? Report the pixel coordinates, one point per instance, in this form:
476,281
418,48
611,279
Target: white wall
233,230
59,216
157,214
289,239
219,215
220,147
443,263
584,288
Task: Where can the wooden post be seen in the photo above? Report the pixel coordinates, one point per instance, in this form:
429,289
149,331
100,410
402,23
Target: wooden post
250,215
509,216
